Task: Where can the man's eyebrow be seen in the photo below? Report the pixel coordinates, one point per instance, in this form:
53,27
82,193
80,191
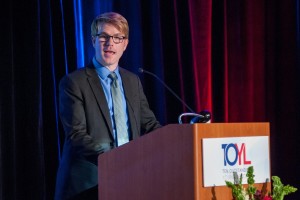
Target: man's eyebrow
104,33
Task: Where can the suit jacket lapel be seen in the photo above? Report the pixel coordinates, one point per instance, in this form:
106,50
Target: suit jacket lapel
130,100
95,84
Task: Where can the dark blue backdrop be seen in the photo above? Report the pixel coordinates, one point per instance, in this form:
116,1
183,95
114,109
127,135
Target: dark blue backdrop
239,59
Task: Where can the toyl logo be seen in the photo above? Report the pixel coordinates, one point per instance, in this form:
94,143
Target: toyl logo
234,153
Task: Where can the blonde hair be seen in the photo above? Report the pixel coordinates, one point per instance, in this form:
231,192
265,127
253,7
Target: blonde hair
113,18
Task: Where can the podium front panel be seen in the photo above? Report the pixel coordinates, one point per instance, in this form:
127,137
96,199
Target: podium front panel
167,163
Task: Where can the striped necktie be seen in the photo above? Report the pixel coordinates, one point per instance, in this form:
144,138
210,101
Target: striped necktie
118,111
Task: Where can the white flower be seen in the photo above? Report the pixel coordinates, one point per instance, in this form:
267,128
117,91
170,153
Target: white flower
246,196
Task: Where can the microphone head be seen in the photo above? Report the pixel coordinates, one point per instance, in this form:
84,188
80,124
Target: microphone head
206,114
141,70
206,117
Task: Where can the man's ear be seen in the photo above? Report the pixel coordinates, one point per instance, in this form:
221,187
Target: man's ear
93,39
126,43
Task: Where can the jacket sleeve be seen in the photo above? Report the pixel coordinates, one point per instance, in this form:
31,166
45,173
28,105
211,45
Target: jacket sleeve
147,118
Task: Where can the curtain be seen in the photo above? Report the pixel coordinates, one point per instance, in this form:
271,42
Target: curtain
237,59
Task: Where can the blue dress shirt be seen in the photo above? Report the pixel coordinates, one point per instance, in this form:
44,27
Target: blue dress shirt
103,73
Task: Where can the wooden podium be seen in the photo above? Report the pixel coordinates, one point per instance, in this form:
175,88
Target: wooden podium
166,164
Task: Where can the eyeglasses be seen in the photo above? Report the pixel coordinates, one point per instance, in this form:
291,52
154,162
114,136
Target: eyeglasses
105,38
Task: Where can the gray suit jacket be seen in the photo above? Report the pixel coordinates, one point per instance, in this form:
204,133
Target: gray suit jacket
88,128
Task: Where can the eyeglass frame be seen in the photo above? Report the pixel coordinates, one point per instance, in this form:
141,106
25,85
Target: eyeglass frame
107,37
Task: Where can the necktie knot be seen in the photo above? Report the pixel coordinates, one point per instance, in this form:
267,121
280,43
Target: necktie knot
113,77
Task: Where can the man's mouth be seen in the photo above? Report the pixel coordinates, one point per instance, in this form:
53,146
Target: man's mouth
109,52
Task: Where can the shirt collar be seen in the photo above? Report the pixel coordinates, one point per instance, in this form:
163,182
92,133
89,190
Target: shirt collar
102,71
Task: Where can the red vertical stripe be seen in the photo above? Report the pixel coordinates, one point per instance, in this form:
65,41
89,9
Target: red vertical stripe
201,34
226,118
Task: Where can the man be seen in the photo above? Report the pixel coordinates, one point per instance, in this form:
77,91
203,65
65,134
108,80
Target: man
90,114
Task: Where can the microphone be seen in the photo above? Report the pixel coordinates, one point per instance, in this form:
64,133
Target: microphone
202,117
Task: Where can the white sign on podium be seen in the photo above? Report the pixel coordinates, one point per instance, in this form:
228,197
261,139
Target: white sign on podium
223,156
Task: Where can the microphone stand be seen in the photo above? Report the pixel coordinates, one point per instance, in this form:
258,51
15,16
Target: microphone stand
141,70
204,118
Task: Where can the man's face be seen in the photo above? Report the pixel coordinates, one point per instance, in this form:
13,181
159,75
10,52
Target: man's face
108,53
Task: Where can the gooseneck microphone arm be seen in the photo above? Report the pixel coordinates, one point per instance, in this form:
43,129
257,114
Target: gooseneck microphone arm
141,70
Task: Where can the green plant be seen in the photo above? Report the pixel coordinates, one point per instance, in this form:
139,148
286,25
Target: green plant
280,190
251,193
